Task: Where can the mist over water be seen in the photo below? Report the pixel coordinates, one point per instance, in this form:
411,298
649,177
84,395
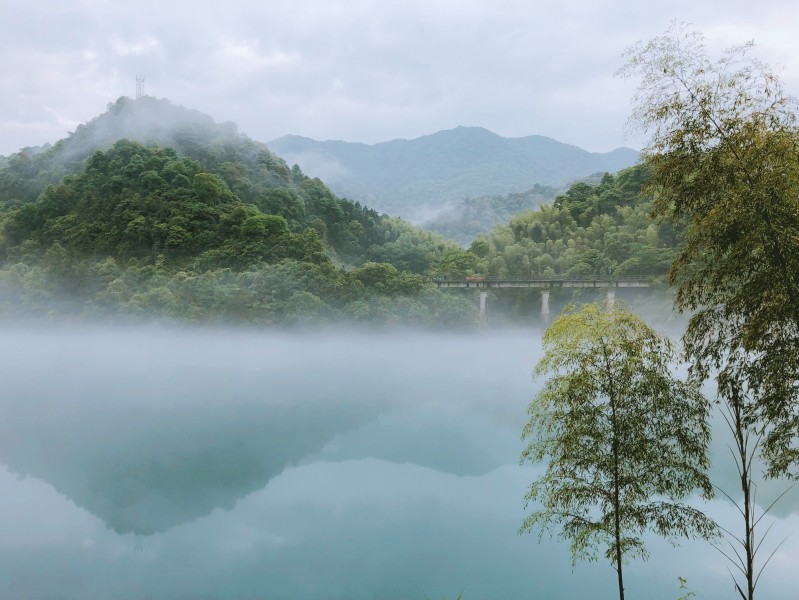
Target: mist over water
147,462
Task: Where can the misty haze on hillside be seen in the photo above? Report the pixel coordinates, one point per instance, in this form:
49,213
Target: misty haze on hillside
460,183
147,120
416,178
156,462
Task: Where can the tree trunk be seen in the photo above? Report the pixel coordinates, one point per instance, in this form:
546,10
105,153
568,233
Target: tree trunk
616,502
742,444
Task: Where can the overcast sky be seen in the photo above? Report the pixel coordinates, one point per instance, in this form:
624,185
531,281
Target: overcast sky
357,70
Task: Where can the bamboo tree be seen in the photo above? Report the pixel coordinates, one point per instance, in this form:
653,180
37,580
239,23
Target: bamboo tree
743,549
623,440
724,158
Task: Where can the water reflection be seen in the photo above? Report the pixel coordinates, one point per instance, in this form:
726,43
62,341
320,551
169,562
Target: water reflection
169,464
149,430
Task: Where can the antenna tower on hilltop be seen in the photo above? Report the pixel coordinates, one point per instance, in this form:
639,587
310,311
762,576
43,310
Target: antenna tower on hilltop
139,86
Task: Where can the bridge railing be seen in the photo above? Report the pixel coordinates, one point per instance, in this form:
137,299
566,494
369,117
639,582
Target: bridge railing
493,279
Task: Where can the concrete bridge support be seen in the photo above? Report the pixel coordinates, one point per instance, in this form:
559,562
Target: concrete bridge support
610,301
545,306
484,284
483,296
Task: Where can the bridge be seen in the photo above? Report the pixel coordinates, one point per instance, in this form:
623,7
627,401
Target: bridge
544,284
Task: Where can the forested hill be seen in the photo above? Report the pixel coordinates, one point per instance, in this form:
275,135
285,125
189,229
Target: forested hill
201,223
592,230
217,228
410,178
149,154
149,121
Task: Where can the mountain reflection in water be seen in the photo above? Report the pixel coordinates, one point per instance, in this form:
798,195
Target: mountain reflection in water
153,463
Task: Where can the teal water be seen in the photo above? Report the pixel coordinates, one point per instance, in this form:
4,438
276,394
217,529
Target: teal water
216,464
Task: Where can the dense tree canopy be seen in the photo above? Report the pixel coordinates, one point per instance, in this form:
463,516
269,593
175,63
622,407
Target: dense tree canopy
213,227
601,229
591,230
208,200
136,202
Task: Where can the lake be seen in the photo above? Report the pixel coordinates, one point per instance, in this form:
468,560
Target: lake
173,463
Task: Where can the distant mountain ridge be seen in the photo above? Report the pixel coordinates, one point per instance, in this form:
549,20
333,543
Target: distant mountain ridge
411,177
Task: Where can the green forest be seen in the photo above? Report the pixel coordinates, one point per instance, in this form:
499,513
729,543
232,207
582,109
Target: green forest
201,223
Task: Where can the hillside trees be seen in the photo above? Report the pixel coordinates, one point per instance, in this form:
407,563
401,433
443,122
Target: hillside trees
624,440
137,202
143,231
226,161
471,217
594,230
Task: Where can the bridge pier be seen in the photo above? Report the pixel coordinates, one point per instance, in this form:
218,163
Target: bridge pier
484,284
483,296
610,300
545,306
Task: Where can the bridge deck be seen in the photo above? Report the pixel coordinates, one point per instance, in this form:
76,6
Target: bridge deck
548,284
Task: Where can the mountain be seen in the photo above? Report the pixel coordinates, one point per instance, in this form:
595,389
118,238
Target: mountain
191,219
417,178
184,175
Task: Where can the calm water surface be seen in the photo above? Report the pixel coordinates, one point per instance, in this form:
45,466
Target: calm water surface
167,464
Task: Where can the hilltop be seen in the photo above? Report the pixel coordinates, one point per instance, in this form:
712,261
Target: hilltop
148,121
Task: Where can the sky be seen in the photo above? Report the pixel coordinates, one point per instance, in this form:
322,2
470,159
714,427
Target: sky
359,70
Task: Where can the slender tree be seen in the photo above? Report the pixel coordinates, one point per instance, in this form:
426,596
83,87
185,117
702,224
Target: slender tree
724,158
743,549
623,440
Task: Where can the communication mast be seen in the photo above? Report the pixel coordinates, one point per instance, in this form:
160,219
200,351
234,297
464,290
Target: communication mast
139,86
